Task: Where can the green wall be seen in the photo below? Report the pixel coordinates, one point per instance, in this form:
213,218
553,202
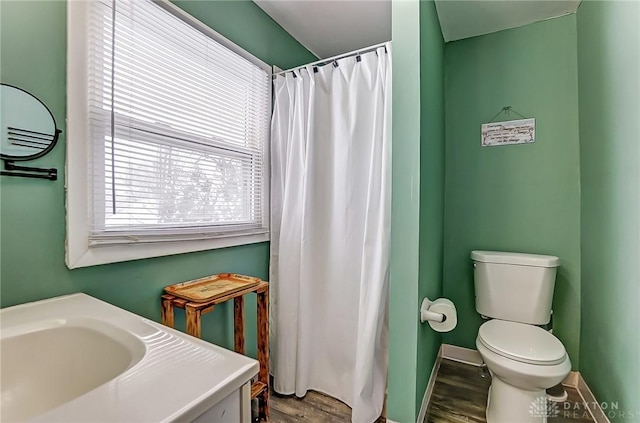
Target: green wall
248,26
417,203
32,216
432,144
405,208
523,198
609,91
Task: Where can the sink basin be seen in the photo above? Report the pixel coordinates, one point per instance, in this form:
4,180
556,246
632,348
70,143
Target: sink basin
50,364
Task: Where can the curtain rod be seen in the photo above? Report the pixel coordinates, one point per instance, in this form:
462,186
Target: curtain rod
340,56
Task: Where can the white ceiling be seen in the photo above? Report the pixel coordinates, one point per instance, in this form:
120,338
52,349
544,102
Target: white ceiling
331,27
467,18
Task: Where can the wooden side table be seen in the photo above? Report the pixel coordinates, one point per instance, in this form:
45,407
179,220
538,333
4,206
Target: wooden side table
194,312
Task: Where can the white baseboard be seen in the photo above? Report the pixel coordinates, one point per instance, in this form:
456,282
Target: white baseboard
463,355
590,402
427,392
571,380
391,421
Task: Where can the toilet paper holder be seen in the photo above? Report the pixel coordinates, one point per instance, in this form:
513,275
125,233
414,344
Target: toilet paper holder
431,316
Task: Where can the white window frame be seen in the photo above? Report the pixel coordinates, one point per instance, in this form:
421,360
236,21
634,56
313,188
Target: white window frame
79,253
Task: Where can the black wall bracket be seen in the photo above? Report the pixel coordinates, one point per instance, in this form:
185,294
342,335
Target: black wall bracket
11,169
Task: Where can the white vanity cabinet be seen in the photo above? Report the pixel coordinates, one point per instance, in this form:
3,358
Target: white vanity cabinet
235,408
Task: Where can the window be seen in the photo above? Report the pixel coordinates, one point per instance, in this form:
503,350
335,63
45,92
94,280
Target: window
168,127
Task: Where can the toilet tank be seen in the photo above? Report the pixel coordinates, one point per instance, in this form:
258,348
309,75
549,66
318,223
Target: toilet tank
514,286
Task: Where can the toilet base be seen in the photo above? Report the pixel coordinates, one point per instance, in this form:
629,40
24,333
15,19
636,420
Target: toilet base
508,404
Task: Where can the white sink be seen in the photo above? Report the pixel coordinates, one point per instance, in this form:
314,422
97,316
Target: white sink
78,359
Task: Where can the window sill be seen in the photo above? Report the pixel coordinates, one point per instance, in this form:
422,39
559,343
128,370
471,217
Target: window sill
85,256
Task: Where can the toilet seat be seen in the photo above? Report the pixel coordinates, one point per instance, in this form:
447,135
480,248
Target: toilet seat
521,342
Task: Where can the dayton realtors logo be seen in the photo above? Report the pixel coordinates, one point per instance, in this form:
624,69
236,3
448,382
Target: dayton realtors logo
542,407
586,409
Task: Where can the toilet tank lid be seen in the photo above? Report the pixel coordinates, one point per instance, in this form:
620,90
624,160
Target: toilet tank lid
521,259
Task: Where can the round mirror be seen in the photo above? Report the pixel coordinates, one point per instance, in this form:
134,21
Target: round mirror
27,127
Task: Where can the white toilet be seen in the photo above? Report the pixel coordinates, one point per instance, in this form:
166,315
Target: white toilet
515,291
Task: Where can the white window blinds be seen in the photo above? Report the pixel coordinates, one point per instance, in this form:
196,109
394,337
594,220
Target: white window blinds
178,126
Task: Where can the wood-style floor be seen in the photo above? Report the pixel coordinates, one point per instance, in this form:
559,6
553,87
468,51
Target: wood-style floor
314,407
460,396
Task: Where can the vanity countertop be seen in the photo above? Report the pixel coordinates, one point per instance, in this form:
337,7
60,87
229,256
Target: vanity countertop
167,375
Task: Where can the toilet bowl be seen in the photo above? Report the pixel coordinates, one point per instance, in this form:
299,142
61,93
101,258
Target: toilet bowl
524,360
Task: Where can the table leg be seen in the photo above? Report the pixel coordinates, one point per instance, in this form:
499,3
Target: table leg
166,313
238,324
193,320
263,351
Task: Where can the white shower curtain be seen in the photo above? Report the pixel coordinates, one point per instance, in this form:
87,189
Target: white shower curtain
330,230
